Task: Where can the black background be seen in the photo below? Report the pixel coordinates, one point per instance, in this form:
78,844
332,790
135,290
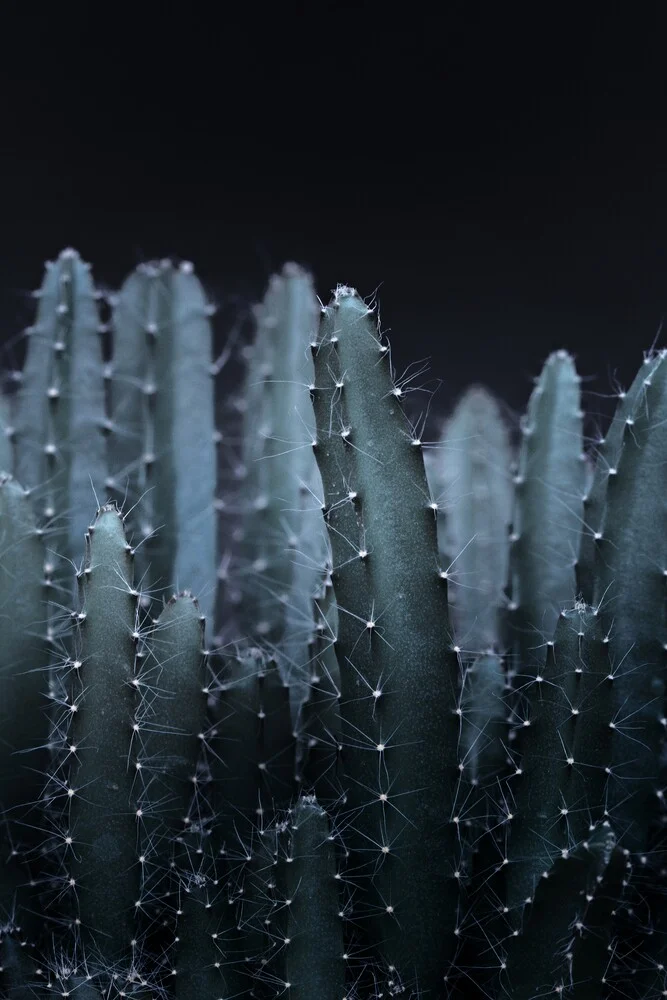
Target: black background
495,172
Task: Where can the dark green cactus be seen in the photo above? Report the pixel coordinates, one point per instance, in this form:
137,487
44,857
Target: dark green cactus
400,752
351,798
308,920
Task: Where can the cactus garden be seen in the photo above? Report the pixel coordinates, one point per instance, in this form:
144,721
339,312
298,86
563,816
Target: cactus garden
299,699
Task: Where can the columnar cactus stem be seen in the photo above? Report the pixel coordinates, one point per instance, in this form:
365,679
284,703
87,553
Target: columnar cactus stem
490,813
103,865
60,449
469,473
631,568
164,454
310,925
607,453
549,488
399,684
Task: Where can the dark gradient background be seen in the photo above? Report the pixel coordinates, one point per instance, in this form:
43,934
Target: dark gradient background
496,172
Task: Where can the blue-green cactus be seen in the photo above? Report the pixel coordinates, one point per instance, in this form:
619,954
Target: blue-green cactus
469,474
284,556
60,423
549,491
352,798
163,445
94,764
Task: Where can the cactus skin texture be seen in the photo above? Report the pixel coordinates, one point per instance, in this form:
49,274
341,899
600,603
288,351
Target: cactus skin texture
354,795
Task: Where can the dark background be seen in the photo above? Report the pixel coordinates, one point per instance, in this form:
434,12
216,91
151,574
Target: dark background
495,171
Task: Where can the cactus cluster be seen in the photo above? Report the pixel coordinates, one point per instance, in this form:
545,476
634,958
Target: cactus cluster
317,708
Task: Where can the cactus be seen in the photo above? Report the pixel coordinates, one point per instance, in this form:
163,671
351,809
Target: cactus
375,487
469,473
60,419
284,556
427,761
162,458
